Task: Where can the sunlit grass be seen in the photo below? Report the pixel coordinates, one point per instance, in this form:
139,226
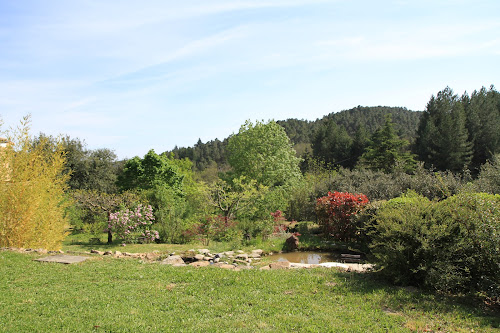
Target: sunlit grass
124,295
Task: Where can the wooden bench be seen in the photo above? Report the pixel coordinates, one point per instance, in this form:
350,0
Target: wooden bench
352,258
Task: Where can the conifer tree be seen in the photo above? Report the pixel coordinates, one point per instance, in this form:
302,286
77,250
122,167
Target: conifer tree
386,151
442,137
483,124
331,144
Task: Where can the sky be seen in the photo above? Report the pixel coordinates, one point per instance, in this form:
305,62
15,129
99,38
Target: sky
132,76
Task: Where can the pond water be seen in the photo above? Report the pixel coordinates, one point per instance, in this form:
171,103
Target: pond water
306,257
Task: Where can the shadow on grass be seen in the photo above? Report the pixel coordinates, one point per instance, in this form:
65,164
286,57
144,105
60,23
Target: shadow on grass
411,299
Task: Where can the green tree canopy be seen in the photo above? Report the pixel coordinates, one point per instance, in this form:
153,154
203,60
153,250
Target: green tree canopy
331,144
264,153
442,140
385,150
150,171
483,124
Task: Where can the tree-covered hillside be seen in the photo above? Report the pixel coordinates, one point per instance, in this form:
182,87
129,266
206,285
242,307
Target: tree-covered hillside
303,133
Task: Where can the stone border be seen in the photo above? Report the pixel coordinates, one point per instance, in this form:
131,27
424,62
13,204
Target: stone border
235,260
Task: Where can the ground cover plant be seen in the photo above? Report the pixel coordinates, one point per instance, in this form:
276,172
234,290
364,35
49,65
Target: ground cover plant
122,295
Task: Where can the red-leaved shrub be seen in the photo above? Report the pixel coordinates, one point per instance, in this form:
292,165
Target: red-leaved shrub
336,212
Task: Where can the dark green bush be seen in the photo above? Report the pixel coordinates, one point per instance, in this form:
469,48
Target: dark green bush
400,238
468,259
452,245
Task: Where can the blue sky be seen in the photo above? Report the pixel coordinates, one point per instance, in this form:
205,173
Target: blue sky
137,75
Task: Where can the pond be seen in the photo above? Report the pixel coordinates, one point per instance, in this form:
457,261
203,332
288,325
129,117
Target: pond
306,257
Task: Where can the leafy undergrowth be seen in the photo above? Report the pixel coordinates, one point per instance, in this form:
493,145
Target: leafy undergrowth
121,295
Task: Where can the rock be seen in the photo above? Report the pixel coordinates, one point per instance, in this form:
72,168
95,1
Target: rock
203,251
292,243
41,251
207,258
173,260
265,268
151,256
107,253
200,264
216,260
241,262
199,257
258,251
229,253
254,255
242,256
118,253
300,265
279,265
240,251
97,252
334,264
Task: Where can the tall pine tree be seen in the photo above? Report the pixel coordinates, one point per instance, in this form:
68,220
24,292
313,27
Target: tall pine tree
386,151
483,124
442,137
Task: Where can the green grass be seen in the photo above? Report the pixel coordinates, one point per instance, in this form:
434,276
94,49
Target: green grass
123,295
80,242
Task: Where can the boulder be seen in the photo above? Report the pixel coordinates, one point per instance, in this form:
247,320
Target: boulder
258,251
173,260
292,243
199,264
199,257
242,256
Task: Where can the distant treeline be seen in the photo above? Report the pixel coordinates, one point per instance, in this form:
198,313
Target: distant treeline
453,133
358,122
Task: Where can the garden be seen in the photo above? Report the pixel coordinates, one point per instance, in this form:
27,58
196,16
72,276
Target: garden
433,238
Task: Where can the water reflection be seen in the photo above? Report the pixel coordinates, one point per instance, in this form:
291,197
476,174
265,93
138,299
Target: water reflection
306,257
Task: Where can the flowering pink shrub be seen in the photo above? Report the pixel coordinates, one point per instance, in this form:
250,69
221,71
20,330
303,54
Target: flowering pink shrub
126,222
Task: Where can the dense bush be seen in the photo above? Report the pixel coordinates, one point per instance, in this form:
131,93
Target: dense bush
468,257
489,177
401,238
451,245
336,213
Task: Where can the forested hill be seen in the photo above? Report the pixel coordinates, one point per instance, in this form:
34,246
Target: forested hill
369,118
364,120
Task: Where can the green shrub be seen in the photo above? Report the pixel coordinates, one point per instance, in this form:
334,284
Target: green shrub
468,257
489,176
400,238
452,245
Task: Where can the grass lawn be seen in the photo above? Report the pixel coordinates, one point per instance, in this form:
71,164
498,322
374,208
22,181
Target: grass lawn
124,295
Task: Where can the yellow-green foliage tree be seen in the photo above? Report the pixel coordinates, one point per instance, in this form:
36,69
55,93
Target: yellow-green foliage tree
32,186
